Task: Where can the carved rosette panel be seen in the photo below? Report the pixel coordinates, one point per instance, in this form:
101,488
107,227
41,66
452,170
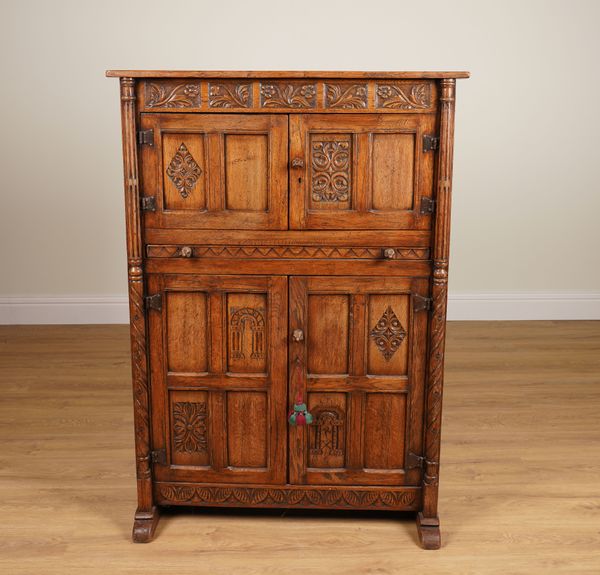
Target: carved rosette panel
229,95
388,334
183,171
268,496
327,432
345,96
403,96
331,174
247,322
300,252
189,427
288,95
172,95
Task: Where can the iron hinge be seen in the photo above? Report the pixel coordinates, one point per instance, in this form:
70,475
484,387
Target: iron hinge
148,203
415,461
427,205
430,143
421,303
145,137
159,456
154,301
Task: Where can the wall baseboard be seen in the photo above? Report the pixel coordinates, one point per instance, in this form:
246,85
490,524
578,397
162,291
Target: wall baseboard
461,306
64,310
523,306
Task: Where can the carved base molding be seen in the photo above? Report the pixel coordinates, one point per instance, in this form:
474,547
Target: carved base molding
401,499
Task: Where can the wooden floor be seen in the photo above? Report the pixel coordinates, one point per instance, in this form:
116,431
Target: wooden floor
520,484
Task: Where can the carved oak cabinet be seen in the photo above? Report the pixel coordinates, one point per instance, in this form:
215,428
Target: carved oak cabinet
287,237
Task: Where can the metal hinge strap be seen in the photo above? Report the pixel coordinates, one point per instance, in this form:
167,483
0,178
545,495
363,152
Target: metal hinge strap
415,461
145,137
430,143
154,301
421,303
427,205
148,203
159,456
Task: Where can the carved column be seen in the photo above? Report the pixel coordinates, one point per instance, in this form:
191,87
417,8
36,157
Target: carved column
437,325
145,511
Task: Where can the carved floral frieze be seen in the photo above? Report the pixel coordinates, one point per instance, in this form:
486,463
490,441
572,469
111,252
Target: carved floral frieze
173,95
345,96
288,95
229,95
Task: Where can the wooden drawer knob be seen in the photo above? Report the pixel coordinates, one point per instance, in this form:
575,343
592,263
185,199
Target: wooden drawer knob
185,252
389,253
298,335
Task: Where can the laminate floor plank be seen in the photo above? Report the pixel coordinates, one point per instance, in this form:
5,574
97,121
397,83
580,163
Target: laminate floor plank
520,475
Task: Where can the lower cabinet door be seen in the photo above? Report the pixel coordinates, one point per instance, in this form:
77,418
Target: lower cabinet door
218,353
357,358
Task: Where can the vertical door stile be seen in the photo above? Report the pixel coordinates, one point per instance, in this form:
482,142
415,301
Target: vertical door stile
297,376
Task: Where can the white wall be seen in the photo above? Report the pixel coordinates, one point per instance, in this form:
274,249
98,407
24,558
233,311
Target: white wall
526,200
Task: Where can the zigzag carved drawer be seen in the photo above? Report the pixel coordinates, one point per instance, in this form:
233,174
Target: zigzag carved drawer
292,252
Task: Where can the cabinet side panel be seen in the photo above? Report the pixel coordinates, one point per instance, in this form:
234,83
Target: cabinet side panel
136,300
437,325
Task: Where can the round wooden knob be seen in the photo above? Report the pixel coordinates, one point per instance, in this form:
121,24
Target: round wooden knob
389,253
185,252
297,163
297,335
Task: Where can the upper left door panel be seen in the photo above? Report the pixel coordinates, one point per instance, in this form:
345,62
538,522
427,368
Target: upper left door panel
214,171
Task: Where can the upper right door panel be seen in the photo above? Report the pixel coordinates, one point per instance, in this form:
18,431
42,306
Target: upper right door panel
361,171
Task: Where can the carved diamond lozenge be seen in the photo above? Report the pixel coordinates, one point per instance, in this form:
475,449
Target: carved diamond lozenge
388,334
183,171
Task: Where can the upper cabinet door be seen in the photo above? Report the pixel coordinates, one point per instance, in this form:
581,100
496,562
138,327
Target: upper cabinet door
225,171
360,171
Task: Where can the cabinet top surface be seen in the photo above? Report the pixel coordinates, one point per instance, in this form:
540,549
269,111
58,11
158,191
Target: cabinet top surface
276,74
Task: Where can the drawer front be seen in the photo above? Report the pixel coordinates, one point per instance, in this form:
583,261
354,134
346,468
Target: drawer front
270,252
206,171
298,259
361,172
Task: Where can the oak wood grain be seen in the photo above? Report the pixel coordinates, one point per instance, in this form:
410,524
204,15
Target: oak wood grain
234,176
277,74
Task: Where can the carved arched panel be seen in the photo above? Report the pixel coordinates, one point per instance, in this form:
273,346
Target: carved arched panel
327,434
247,333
